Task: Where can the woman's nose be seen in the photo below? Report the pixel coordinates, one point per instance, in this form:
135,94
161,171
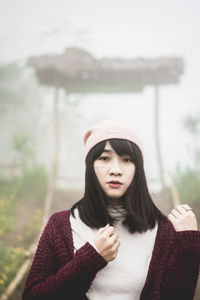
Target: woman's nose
115,169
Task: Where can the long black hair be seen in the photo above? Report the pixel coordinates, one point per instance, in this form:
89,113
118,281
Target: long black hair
140,211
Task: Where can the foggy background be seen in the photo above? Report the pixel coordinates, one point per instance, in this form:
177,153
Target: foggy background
127,29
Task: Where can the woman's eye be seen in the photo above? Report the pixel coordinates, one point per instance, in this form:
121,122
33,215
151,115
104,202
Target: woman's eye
127,159
104,158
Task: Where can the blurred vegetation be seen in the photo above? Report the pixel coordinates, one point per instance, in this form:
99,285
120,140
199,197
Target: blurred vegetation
21,201
24,151
187,179
22,192
11,259
21,204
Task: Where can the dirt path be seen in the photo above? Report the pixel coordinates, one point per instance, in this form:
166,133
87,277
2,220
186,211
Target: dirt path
65,199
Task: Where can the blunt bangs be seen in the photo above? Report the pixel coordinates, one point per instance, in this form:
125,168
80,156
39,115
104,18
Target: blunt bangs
120,146
123,147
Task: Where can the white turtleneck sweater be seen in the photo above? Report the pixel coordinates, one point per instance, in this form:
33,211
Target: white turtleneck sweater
124,277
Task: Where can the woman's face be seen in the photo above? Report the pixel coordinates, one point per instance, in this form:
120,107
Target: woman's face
114,173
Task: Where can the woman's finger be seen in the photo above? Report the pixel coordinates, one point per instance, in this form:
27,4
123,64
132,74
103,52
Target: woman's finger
183,220
175,213
183,208
108,231
116,245
114,237
187,207
171,218
102,229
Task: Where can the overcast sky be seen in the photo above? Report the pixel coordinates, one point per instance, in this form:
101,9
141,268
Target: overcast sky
106,27
123,28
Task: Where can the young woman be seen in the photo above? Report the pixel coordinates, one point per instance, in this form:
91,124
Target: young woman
115,243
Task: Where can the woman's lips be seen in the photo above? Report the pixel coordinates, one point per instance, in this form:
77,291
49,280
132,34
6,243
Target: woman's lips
114,184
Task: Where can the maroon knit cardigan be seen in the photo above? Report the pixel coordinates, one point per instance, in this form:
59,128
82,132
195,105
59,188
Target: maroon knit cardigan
58,273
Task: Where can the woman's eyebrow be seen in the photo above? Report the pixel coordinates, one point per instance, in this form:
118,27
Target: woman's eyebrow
107,151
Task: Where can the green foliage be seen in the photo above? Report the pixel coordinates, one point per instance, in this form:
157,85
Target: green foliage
187,181
21,197
10,260
21,146
33,227
192,126
33,184
30,188
7,206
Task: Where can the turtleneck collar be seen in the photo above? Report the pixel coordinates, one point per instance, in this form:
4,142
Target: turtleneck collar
118,212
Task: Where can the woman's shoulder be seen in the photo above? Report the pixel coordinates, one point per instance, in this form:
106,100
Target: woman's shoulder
58,224
60,214
166,225
58,218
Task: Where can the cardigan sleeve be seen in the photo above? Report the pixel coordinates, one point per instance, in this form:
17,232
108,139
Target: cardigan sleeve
183,267
47,281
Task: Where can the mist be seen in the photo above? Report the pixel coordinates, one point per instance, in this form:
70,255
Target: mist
43,118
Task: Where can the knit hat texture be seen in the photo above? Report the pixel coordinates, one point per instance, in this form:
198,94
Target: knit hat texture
106,130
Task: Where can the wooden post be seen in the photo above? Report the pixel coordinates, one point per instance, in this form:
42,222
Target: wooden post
12,169
174,190
157,136
55,167
56,135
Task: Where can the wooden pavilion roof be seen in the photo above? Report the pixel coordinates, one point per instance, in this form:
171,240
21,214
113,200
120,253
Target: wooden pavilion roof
79,71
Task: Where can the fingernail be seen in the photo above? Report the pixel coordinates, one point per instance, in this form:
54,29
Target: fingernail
106,225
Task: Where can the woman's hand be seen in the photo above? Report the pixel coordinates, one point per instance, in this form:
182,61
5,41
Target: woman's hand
183,218
107,243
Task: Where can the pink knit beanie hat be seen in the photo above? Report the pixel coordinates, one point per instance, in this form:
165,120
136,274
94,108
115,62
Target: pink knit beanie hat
106,130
